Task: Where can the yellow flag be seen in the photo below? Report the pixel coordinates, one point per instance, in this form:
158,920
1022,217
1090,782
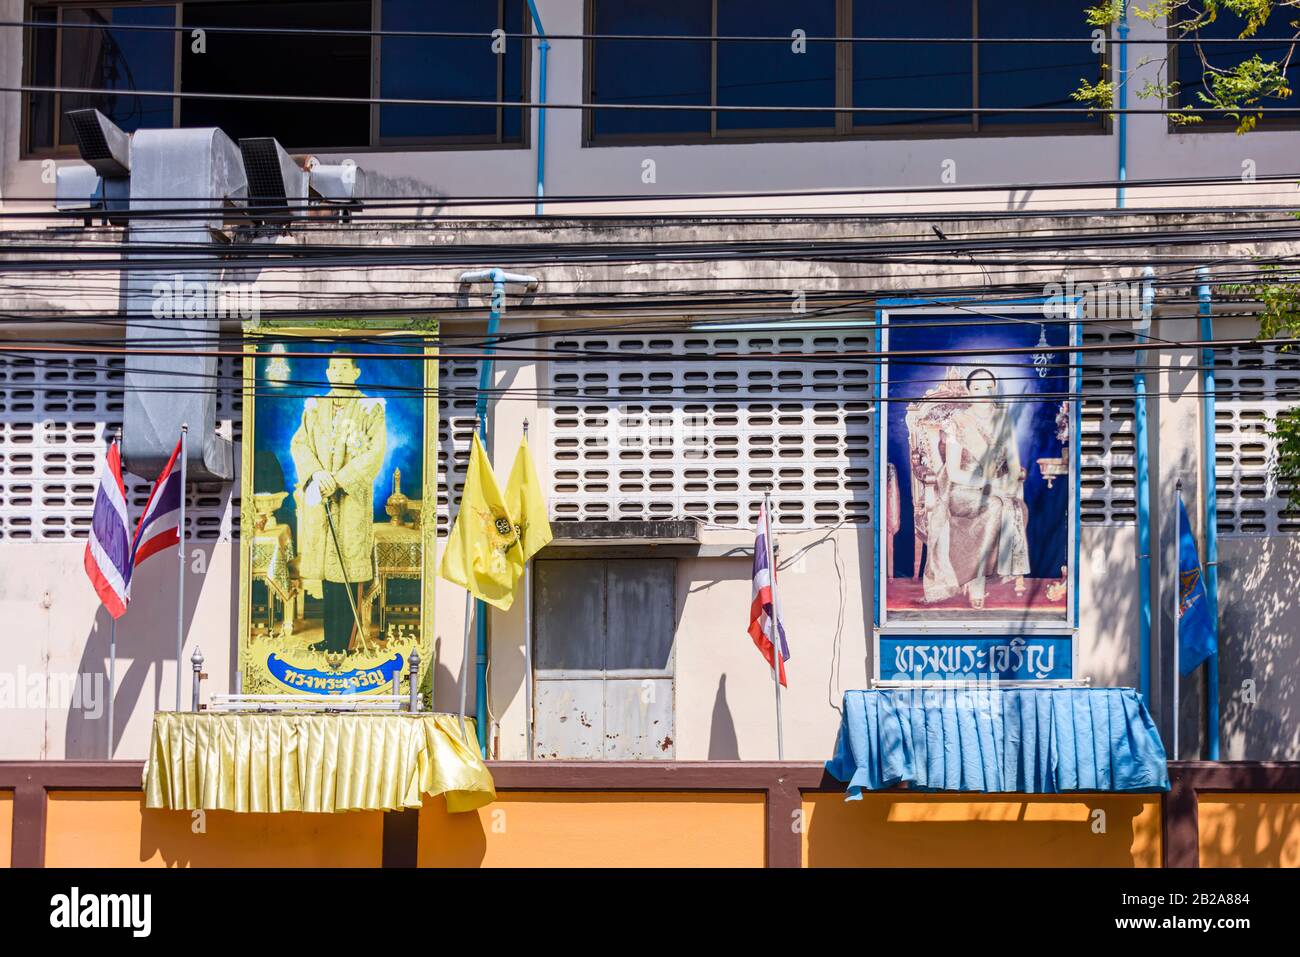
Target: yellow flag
482,553
524,501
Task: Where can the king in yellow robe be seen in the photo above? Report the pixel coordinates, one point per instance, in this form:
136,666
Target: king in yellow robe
338,451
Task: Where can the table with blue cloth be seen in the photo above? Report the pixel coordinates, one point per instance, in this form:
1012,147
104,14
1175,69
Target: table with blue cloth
1029,740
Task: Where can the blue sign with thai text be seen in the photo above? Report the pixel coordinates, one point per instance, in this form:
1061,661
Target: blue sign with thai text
975,657
355,681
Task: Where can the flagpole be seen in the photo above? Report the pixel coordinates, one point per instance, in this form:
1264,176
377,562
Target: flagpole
180,573
776,624
528,644
464,664
112,682
112,646
1178,586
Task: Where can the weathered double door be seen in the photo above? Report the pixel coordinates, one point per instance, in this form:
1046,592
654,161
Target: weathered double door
603,661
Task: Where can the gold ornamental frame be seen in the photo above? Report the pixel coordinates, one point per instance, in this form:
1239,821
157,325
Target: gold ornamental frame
255,675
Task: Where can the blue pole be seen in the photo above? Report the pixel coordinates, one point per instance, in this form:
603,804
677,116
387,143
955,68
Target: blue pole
480,414
1122,119
1076,453
544,46
1140,440
1211,515
879,517
498,278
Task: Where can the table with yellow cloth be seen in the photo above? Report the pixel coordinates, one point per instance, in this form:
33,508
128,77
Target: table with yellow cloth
270,762
399,553
272,554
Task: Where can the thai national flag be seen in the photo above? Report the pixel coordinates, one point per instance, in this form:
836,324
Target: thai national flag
764,612
160,524
108,558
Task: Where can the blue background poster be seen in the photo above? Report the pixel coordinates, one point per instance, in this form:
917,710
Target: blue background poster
929,398
336,600
279,406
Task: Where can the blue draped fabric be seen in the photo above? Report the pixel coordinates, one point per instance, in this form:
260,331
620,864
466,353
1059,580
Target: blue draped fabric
1031,740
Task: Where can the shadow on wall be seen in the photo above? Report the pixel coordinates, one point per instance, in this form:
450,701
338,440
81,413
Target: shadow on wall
1249,830
146,646
289,839
723,744
942,830
1109,655
852,626
1259,648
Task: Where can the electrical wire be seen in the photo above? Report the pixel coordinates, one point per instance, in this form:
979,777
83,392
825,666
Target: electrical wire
628,37
225,96
407,201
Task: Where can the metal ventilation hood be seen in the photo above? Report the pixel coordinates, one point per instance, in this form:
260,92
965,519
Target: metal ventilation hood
190,169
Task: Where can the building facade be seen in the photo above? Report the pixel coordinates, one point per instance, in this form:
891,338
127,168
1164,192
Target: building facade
704,331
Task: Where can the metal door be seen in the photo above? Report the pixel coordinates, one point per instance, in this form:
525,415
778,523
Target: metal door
604,659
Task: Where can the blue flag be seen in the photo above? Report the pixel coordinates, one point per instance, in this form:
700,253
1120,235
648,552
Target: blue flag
1196,631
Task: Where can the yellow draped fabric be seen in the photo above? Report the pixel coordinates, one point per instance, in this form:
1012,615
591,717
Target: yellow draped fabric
312,762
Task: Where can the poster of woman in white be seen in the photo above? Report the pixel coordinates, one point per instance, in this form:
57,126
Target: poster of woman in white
978,470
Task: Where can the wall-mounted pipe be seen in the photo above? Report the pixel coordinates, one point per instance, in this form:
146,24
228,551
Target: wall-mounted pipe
499,278
1204,307
1141,440
1121,120
544,46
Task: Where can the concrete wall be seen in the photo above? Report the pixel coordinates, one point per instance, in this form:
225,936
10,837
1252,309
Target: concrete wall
724,706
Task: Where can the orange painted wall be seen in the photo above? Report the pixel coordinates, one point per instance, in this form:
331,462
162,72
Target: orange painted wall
941,830
1249,830
678,829
6,827
598,829
113,829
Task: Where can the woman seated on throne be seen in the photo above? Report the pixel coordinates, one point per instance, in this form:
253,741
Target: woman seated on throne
976,520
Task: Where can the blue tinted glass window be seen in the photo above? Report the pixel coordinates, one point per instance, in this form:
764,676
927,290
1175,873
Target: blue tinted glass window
651,71
326,65
43,57
1037,75
931,75
514,66
1271,42
120,60
908,85
451,68
774,74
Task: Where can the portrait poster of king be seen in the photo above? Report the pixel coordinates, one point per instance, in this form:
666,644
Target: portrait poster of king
978,496
337,535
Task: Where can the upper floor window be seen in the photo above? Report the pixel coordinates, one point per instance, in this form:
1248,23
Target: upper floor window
1273,40
91,47
912,87
95,53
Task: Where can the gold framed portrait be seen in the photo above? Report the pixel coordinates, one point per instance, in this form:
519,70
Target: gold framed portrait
338,522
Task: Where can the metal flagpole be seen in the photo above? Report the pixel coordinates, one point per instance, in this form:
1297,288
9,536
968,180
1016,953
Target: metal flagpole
464,664
776,627
180,573
1178,602
528,643
112,652
112,680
